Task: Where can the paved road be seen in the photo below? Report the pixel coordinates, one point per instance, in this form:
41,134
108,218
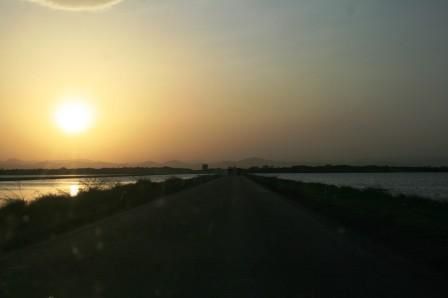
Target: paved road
227,238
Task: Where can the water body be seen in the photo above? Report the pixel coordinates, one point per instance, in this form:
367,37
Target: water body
31,189
428,185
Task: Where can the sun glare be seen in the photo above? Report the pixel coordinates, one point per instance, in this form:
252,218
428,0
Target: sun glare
74,190
74,116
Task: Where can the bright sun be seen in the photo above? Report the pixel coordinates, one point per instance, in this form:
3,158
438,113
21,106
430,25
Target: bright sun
74,116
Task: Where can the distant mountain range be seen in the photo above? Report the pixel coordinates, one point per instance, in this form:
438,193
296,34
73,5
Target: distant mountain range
85,163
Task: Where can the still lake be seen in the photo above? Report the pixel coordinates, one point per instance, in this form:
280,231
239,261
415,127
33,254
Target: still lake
30,189
429,185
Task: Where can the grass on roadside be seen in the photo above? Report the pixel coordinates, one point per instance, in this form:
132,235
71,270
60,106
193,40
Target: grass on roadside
23,223
414,227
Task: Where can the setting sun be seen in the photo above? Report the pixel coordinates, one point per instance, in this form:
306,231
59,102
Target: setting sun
217,148
74,116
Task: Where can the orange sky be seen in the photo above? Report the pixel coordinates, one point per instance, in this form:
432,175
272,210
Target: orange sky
209,80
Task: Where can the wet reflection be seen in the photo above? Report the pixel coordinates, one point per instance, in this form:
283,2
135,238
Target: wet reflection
31,189
74,190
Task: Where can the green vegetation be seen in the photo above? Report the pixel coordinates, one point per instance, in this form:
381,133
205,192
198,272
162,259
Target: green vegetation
23,223
415,227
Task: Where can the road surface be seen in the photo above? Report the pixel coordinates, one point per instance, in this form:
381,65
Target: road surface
226,238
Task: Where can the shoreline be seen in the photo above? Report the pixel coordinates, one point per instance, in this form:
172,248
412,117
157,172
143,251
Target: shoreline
411,226
56,177
24,223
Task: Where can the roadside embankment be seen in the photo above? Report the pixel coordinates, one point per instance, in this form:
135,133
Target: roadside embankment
23,223
414,227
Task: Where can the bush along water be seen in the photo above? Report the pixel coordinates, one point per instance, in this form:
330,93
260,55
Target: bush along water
23,223
414,227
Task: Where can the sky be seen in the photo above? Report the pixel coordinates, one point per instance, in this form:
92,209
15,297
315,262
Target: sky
333,81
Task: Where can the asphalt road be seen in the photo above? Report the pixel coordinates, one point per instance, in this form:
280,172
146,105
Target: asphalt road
227,238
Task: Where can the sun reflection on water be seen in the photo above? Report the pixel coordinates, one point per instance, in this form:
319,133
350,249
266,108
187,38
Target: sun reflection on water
74,190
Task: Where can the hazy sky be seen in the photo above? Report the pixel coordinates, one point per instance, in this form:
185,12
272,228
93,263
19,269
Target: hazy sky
306,80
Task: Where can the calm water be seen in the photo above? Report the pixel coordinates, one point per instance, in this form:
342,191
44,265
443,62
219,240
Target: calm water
430,185
30,189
